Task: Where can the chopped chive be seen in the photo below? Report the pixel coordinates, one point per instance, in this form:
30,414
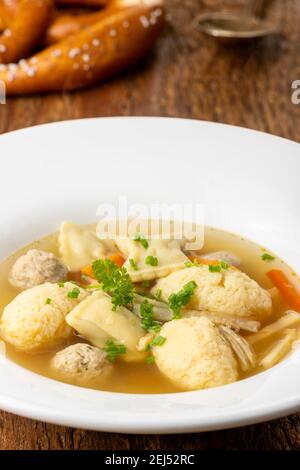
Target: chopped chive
158,340
216,268
113,350
158,294
150,360
133,264
147,321
142,240
189,264
151,260
267,257
74,293
182,298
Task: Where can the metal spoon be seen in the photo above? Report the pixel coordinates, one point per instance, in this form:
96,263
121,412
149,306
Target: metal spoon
233,26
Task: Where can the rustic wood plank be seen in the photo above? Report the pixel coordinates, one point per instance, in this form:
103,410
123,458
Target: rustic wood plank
187,75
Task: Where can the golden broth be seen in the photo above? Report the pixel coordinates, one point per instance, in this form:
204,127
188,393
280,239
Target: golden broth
144,378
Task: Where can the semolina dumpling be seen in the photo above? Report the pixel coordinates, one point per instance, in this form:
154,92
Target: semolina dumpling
35,320
195,355
96,321
228,292
155,259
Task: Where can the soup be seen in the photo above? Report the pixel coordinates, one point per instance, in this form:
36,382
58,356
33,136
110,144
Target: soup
191,320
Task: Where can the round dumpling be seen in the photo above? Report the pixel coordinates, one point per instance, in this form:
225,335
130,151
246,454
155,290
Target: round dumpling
81,362
228,292
195,356
35,320
35,268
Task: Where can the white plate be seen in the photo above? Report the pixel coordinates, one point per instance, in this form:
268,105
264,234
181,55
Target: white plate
248,182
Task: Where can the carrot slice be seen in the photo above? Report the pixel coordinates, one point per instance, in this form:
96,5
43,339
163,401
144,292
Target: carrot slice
76,276
286,288
117,258
88,271
197,259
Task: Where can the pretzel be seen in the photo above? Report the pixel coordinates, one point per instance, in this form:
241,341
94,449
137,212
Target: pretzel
66,24
26,28
87,3
119,39
8,9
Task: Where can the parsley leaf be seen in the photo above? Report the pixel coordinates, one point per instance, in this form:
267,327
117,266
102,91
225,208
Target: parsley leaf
142,240
151,260
74,293
48,301
147,322
115,281
133,264
61,284
113,350
267,257
182,298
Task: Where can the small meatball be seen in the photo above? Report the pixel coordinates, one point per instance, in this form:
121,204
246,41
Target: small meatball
35,268
195,355
81,362
228,292
35,320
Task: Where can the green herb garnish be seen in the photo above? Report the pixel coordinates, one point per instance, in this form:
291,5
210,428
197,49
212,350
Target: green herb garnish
158,340
151,260
150,360
146,284
61,284
267,257
74,293
182,298
158,294
216,268
133,264
142,240
115,281
113,350
48,301
147,322
189,264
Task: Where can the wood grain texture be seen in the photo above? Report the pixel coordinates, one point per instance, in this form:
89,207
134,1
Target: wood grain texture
191,76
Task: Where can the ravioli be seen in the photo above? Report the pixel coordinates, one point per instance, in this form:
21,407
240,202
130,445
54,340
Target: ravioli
95,320
155,259
79,246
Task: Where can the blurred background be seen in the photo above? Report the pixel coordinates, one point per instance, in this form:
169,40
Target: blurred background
188,74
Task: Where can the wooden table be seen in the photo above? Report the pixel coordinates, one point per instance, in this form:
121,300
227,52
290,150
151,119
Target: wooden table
189,76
